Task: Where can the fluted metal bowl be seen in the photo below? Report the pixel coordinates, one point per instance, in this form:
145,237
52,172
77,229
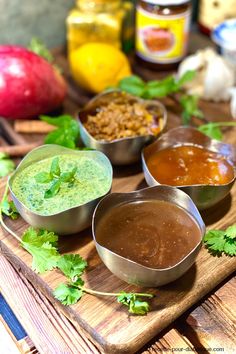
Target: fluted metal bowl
70,220
120,151
203,195
133,272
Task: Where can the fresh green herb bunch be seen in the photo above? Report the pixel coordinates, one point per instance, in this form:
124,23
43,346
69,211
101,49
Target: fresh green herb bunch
6,165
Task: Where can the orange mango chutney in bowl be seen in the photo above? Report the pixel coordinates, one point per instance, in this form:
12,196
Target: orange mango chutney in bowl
190,165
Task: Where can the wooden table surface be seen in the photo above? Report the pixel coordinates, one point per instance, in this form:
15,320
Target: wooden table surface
208,327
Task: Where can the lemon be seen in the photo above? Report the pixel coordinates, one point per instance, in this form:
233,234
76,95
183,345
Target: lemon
96,66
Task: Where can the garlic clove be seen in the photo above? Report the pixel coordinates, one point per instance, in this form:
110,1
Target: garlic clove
219,76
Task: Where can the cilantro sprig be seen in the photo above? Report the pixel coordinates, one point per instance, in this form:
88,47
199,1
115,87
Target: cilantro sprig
43,246
6,165
221,241
56,177
67,132
73,267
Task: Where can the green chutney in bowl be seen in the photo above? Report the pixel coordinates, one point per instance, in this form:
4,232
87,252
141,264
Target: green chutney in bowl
57,189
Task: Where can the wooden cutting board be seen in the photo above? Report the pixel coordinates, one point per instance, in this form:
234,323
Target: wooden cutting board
105,321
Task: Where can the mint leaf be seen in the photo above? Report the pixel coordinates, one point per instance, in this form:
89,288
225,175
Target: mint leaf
43,177
53,190
67,133
67,295
55,170
72,265
133,85
187,76
68,176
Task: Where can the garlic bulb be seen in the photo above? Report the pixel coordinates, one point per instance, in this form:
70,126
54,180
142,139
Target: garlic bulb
214,75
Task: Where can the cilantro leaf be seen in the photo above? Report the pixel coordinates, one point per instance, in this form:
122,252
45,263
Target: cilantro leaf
67,295
43,177
41,245
134,303
40,49
219,241
45,257
211,130
72,265
231,231
9,209
189,104
6,165
53,190
67,133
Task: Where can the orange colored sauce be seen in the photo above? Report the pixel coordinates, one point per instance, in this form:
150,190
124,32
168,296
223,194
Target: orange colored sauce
189,165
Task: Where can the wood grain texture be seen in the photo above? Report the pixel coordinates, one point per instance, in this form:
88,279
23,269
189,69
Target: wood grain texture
52,333
105,321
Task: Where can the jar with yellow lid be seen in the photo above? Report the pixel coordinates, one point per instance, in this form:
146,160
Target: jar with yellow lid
162,32
106,21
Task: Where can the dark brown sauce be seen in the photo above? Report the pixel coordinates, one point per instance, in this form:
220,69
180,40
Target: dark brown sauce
154,233
189,165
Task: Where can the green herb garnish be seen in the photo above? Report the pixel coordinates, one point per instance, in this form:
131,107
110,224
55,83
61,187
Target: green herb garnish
213,129
56,177
221,241
6,165
155,88
162,88
73,267
189,104
67,132
42,245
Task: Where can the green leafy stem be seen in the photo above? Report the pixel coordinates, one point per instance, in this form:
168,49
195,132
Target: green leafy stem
56,177
43,247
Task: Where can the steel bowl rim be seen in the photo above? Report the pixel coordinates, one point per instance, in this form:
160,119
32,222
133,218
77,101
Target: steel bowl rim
202,228
65,149
141,137
176,144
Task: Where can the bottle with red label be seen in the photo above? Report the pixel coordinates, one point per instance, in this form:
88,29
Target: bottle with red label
162,32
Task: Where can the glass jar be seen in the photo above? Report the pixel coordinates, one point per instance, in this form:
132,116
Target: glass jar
107,21
162,32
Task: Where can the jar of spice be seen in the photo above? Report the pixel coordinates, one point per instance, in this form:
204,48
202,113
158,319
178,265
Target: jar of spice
162,32
106,21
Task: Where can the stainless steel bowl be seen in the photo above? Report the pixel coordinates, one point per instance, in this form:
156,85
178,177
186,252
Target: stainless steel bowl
68,221
204,196
120,151
130,271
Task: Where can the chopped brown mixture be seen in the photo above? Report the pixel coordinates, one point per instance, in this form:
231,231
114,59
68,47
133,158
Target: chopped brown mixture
121,120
